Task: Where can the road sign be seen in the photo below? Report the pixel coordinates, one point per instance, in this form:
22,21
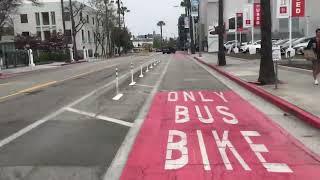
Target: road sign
276,53
257,14
283,9
298,8
214,135
247,15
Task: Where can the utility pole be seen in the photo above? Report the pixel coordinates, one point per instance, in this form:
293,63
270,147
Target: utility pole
221,29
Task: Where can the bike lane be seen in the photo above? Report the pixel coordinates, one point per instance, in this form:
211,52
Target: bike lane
197,131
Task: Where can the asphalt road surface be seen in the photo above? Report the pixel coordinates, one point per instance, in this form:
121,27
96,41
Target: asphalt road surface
178,121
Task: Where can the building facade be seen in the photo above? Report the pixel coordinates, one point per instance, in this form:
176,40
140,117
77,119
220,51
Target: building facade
46,19
304,26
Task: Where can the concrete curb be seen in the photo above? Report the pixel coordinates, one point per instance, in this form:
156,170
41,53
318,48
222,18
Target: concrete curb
279,102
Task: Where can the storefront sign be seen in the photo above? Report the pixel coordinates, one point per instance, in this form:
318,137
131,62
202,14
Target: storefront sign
257,14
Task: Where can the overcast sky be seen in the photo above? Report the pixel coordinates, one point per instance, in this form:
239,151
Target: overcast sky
145,14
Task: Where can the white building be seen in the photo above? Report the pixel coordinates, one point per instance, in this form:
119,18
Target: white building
46,19
301,26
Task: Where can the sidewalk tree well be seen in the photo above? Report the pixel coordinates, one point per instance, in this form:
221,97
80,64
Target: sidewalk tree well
161,24
266,73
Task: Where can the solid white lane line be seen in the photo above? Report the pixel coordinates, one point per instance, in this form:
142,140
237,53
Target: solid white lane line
143,85
96,116
56,113
115,169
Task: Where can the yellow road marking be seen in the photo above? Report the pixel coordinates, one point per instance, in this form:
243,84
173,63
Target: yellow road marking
29,89
49,83
38,87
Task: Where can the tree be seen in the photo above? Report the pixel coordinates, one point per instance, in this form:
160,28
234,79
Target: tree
76,9
266,74
187,5
221,29
8,7
161,24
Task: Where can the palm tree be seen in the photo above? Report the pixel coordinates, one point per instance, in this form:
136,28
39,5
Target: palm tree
266,74
161,24
221,29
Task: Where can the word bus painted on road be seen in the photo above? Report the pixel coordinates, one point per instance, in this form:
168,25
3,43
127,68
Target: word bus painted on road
214,135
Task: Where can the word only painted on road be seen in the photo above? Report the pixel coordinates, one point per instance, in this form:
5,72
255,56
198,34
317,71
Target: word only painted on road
195,135
210,110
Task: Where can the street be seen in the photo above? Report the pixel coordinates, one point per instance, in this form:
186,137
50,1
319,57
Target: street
180,121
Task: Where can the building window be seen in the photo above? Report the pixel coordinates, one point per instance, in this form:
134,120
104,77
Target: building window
53,18
66,16
54,32
46,35
25,34
81,16
93,20
24,18
89,37
38,19
68,36
45,18
87,18
82,35
39,34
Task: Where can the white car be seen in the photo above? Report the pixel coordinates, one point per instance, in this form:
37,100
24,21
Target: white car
300,47
256,45
229,44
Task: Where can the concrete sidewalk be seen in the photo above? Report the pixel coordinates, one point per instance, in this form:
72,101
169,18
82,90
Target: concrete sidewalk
297,87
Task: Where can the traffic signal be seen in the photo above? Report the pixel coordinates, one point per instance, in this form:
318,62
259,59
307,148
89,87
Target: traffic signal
145,36
232,22
239,21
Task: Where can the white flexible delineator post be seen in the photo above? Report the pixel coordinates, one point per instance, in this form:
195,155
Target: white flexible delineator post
118,94
132,82
141,73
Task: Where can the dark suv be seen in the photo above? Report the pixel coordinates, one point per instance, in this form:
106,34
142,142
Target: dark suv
168,50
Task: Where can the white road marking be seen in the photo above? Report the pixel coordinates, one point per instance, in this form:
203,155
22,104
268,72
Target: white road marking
133,83
109,119
155,73
115,169
54,114
117,97
143,85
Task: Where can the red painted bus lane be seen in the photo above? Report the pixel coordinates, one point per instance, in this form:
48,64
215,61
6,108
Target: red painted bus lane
214,135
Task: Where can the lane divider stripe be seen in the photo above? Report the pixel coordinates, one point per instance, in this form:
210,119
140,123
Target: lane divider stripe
104,118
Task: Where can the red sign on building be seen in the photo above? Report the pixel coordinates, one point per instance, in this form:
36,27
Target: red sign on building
257,14
298,8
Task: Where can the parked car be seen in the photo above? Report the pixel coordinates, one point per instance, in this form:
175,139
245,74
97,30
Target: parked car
229,44
286,45
243,47
256,45
168,50
301,46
